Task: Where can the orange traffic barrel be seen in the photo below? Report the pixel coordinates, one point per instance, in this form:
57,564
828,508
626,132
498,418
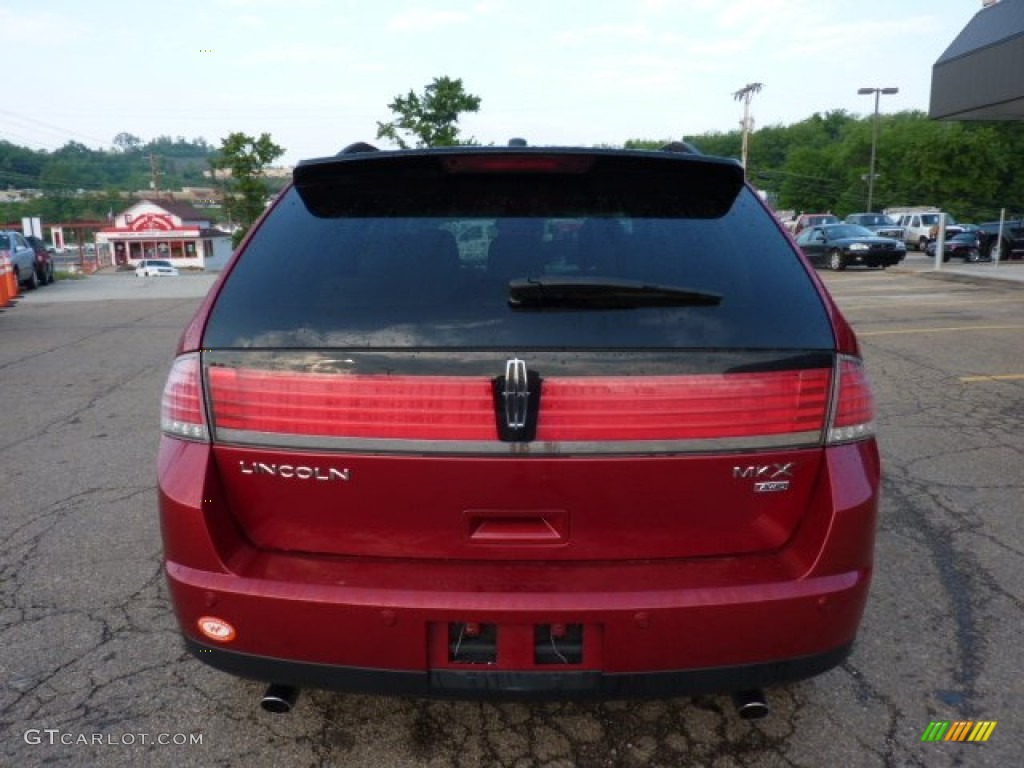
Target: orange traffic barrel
13,289
6,269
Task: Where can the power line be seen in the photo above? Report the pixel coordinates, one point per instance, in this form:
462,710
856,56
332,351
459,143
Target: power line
60,130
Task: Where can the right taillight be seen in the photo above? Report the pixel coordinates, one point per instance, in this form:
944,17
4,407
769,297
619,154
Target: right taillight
780,404
853,409
181,407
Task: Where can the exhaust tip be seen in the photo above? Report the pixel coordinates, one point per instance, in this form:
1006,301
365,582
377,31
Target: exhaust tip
279,699
750,705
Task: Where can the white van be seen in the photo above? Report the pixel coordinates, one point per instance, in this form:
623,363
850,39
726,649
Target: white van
919,226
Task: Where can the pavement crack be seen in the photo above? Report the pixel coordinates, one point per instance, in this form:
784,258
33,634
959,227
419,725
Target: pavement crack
957,573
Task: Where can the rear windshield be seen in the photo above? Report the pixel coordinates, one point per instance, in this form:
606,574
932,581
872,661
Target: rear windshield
465,280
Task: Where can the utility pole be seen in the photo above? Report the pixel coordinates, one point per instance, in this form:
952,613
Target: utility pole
745,94
154,173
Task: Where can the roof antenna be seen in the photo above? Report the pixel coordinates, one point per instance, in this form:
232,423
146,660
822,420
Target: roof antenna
357,147
683,147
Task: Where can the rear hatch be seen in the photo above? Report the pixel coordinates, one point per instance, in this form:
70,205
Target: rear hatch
519,355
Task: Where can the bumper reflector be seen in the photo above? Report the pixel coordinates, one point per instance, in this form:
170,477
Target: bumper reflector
216,629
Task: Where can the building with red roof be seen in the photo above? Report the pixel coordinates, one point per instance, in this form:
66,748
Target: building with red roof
163,229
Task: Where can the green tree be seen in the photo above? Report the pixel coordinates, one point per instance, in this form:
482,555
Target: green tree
646,144
431,119
127,142
718,143
245,187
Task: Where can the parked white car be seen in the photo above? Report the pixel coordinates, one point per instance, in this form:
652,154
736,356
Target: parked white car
155,268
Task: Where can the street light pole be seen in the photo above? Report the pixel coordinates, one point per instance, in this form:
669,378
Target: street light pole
874,137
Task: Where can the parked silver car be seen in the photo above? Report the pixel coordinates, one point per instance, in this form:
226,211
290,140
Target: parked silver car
22,256
879,223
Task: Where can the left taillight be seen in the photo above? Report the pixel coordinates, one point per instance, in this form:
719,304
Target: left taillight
181,406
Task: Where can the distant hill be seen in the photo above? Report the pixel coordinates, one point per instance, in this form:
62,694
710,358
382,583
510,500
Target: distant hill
129,165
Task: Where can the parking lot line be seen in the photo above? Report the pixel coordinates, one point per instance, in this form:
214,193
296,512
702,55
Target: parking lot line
996,377
862,334
882,300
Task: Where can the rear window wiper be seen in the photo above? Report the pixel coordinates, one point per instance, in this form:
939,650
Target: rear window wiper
602,293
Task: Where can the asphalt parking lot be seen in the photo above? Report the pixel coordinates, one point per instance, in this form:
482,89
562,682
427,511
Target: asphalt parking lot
93,673
121,286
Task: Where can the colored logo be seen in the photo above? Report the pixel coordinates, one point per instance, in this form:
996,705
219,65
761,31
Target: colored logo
958,730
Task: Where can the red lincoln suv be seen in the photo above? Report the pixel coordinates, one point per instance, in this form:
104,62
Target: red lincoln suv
518,422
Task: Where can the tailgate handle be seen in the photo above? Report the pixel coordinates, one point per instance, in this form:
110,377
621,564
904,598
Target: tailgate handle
505,528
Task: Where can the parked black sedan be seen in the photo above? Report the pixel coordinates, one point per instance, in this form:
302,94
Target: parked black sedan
841,245
44,259
966,246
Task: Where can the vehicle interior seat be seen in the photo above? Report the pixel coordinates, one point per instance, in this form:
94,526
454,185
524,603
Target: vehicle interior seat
601,244
517,251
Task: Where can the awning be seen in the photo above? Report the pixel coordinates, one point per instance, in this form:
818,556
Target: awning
981,74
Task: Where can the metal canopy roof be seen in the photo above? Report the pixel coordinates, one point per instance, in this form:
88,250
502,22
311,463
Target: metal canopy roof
981,74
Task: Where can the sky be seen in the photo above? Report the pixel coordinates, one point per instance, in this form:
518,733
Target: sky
318,75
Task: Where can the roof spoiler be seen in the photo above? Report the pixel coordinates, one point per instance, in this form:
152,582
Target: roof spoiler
681,147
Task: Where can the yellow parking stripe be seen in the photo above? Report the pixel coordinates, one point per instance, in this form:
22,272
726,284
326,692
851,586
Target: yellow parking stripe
862,334
996,377
891,301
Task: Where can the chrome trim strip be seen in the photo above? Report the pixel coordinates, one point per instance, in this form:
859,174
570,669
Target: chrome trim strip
833,397
239,437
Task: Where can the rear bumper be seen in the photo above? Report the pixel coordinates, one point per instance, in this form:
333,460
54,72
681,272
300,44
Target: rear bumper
639,628
514,685
665,641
